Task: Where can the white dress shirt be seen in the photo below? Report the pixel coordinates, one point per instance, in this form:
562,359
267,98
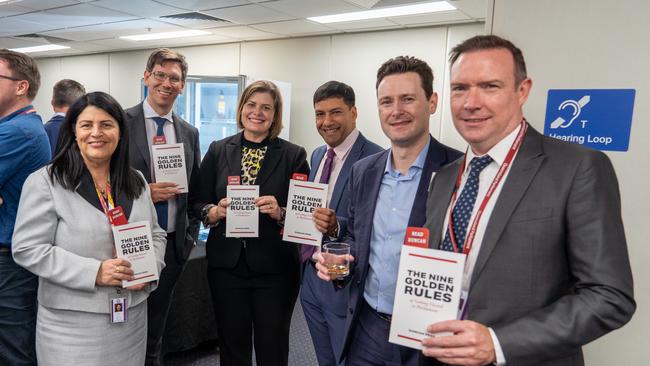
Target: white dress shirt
341,153
498,154
170,137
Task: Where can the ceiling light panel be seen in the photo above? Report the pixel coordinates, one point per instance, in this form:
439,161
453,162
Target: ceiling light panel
395,11
42,48
165,35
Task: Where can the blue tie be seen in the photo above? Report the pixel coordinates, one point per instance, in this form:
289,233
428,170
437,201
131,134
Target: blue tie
161,207
465,204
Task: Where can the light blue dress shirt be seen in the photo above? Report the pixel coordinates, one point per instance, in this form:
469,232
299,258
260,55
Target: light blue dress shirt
389,223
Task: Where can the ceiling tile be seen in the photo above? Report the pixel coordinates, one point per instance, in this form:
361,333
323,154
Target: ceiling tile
310,8
76,15
14,26
249,14
243,33
197,5
12,9
9,42
476,9
113,30
141,8
195,23
294,27
44,5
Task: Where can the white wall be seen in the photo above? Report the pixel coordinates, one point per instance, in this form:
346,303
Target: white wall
583,44
304,62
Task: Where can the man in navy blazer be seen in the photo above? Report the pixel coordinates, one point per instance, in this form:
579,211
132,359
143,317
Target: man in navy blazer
336,118
150,122
387,193
64,93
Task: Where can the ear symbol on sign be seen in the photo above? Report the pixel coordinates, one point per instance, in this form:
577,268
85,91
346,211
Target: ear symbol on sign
577,108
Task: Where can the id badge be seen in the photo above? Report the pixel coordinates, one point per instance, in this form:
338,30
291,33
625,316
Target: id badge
462,305
159,140
117,307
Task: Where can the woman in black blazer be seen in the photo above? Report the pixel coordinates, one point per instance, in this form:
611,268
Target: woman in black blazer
254,281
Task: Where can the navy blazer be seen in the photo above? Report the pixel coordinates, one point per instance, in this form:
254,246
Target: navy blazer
340,201
52,128
365,181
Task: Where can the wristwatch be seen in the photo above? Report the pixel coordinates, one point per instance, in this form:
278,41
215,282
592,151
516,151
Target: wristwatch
204,213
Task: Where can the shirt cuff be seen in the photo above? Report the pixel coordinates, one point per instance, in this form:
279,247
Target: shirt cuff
501,358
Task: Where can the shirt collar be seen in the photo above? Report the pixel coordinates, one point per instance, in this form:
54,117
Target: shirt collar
150,113
59,114
498,152
344,147
418,163
27,110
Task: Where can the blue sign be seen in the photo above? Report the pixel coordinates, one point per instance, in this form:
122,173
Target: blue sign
598,118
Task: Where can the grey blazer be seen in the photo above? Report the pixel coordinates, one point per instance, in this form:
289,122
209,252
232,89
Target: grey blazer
63,238
553,271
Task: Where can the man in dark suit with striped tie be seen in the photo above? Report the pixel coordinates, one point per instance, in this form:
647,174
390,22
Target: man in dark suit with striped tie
152,122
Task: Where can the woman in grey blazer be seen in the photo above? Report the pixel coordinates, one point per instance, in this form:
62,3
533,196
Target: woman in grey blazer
63,235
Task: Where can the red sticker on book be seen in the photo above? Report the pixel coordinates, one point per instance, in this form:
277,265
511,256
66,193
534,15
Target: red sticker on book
159,140
417,237
117,216
299,176
234,180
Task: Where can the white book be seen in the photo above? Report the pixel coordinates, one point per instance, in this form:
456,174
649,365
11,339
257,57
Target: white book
134,243
302,200
428,291
169,164
242,216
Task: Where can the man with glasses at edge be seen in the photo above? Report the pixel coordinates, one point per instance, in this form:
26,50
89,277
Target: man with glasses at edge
24,147
152,122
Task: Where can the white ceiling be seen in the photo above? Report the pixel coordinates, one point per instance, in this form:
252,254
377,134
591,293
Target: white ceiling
90,26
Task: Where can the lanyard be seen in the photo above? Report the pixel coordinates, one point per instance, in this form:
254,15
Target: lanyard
469,240
107,206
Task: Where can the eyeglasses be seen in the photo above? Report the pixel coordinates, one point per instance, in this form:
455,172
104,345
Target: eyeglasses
162,76
9,78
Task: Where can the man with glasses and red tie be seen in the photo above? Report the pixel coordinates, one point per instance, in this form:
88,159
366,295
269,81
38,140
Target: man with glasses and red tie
153,122
24,148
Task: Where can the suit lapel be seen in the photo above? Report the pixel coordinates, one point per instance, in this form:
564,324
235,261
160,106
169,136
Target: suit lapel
315,161
344,174
138,133
442,190
270,162
523,170
233,155
436,156
372,182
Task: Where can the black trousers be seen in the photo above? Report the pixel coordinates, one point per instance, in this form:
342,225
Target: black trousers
253,308
159,302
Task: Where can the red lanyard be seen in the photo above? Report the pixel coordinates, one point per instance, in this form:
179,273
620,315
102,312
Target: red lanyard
107,206
469,240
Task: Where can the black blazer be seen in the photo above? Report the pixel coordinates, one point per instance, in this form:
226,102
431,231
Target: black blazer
187,226
267,253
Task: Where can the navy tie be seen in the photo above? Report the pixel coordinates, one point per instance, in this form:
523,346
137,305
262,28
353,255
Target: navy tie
465,204
161,207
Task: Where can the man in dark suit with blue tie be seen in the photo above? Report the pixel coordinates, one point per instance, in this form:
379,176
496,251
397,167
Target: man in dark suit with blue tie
387,193
64,93
152,122
336,119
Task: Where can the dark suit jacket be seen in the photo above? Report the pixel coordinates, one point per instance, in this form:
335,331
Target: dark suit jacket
364,184
340,201
187,225
267,253
52,128
553,272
